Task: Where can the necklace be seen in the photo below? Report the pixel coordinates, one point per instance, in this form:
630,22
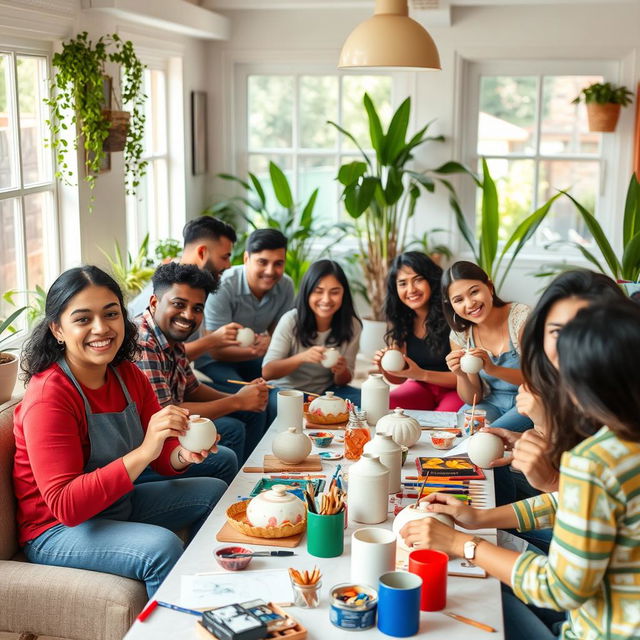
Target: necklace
493,353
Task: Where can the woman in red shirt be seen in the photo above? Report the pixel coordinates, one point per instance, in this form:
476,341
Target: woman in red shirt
88,425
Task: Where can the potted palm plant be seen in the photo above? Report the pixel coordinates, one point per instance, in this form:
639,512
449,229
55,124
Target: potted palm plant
79,86
485,246
294,221
8,361
604,101
624,268
380,193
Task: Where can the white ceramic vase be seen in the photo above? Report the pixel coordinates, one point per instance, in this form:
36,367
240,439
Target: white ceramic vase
290,446
404,429
290,410
372,337
275,507
390,454
375,398
200,436
368,490
482,448
245,337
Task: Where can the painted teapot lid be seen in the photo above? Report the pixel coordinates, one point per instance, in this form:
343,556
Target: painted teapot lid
329,403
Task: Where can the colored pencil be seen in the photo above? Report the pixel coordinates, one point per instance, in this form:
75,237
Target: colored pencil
243,382
473,623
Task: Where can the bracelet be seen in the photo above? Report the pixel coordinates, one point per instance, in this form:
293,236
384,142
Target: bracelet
180,458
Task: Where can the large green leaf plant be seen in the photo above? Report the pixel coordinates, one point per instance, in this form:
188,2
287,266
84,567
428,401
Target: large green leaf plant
380,193
485,245
308,239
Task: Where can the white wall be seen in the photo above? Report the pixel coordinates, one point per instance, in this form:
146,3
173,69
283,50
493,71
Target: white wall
550,31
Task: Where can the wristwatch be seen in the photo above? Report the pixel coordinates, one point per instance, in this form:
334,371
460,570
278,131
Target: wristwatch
469,548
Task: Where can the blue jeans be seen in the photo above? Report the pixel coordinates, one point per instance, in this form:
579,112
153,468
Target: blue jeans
220,372
144,547
501,417
526,622
343,391
222,465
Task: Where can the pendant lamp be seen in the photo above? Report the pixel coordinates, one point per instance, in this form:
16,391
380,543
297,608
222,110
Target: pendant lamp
390,39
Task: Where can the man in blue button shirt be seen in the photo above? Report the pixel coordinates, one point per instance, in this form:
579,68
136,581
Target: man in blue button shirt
255,294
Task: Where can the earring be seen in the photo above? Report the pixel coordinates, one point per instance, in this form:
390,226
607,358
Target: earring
454,318
61,344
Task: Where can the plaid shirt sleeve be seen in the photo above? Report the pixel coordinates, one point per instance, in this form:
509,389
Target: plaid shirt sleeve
151,365
192,382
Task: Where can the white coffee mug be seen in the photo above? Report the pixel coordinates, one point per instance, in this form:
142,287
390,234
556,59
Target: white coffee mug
373,552
330,357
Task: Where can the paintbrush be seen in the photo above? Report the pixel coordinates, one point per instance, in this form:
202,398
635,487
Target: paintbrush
426,477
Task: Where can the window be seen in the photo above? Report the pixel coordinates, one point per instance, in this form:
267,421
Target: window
158,208
287,124
28,214
537,142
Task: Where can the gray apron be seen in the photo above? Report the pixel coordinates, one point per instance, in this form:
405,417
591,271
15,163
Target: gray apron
111,435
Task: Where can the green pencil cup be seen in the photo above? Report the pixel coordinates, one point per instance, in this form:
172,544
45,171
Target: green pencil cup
325,534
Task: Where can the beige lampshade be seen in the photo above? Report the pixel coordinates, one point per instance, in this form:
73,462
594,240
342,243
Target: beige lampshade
390,39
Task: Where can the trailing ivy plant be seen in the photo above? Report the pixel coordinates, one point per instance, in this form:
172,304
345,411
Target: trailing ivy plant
77,97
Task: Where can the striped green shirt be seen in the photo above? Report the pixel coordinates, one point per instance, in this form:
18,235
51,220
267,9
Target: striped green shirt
593,566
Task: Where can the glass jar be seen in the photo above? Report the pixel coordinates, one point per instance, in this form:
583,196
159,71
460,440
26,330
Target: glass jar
356,435
306,596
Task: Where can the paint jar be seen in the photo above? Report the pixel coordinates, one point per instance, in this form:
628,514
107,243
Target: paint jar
306,596
479,420
353,607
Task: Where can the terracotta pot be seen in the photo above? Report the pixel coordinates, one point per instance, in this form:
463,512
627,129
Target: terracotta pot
8,376
118,129
603,117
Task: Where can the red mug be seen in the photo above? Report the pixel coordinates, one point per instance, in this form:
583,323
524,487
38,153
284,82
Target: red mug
432,567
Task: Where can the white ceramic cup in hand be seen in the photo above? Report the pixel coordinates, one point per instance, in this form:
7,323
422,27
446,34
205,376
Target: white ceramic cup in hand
330,358
245,337
201,435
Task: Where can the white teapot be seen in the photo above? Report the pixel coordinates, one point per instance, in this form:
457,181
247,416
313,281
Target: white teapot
328,405
275,507
201,435
404,429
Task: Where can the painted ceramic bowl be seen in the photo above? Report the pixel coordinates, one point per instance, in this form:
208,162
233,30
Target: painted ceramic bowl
232,564
321,438
442,439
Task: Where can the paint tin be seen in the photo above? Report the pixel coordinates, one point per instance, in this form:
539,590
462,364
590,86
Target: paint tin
353,607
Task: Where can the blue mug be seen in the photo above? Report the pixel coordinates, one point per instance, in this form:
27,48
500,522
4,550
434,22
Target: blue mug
399,603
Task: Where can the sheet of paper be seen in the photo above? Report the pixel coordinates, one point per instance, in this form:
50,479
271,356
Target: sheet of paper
209,590
458,450
441,419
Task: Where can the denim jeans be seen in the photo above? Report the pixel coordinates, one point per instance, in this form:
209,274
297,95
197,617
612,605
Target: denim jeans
144,547
220,372
502,417
222,465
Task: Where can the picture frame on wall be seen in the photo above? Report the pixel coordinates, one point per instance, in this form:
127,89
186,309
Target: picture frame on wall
198,132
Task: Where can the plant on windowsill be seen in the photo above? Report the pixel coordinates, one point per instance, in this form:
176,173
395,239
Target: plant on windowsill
603,101
78,98
132,274
380,193
626,268
294,221
485,246
8,361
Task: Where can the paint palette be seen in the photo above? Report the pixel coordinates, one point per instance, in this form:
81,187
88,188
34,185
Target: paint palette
330,455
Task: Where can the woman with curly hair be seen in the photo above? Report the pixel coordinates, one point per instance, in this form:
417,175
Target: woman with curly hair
87,427
417,327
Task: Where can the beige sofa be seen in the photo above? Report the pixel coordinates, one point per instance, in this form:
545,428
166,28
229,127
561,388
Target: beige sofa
53,603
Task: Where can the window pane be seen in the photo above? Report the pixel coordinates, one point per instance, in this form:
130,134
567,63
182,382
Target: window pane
259,166
315,172
32,89
156,105
9,278
582,180
514,182
37,210
318,103
271,111
354,115
8,164
507,118
564,126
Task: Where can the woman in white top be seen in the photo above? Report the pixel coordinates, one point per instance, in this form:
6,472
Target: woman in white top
491,329
323,317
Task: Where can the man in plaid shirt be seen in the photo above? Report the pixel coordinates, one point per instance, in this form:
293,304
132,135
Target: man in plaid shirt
175,311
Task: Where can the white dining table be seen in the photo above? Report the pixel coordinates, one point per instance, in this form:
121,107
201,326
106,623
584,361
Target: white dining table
475,598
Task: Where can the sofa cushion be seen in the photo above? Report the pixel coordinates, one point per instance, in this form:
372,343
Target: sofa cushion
67,603
8,533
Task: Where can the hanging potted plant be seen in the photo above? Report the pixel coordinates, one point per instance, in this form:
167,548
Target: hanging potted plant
603,101
81,86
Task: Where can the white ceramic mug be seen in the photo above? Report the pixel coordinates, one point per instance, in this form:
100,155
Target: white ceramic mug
290,409
373,552
330,357
245,337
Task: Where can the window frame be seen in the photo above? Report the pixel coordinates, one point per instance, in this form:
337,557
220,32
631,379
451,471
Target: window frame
52,223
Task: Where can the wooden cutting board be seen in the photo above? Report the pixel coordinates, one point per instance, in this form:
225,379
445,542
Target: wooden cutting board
273,465
229,534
